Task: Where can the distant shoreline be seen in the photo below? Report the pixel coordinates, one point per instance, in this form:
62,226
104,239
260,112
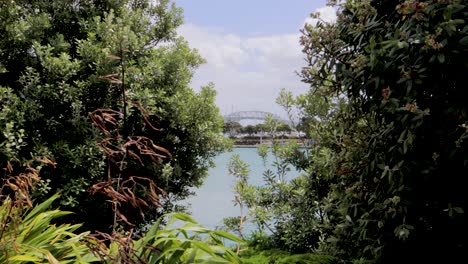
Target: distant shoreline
245,146
253,143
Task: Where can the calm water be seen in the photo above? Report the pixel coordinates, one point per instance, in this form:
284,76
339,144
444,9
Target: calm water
213,200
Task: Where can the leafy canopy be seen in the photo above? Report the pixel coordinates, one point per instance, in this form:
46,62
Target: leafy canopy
387,107
61,60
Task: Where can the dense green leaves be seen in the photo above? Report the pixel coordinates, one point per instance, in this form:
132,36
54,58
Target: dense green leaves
62,60
387,107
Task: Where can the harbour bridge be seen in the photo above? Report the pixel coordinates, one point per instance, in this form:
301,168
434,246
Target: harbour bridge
255,115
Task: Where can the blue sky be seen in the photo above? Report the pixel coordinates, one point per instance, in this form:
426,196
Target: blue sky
250,17
251,47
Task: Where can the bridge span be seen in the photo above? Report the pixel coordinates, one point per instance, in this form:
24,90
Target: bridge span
255,115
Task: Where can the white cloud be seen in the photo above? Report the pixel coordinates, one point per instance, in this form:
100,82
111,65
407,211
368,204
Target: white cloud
326,13
219,49
275,52
248,72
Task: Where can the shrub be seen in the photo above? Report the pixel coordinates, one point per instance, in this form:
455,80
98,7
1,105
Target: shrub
27,235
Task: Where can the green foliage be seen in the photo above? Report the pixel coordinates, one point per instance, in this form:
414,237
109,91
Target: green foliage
238,169
60,61
269,204
232,224
242,192
287,101
387,107
262,151
278,256
232,128
260,240
29,236
179,241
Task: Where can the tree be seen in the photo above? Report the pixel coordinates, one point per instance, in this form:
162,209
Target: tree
260,128
62,60
240,170
284,128
249,129
268,204
389,174
232,128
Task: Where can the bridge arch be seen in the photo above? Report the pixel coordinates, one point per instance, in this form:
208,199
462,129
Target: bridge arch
255,115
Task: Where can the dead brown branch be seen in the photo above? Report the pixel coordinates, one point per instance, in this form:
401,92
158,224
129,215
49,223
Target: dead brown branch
19,186
121,189
125,253
113,77
106,120
145,115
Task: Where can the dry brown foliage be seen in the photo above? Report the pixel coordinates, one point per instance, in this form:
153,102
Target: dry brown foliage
122,188
18,187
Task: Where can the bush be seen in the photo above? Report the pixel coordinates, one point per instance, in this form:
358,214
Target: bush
388,106
32,237
259,240
28,235
283,257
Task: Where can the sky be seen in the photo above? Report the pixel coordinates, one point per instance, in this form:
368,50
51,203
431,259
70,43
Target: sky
251,47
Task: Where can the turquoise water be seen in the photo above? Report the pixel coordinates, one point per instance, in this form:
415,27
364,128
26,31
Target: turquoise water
214,200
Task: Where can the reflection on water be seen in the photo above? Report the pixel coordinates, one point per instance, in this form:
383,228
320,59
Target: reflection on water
213,201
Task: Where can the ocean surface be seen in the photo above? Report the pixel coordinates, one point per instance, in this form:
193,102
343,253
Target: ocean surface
214,200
